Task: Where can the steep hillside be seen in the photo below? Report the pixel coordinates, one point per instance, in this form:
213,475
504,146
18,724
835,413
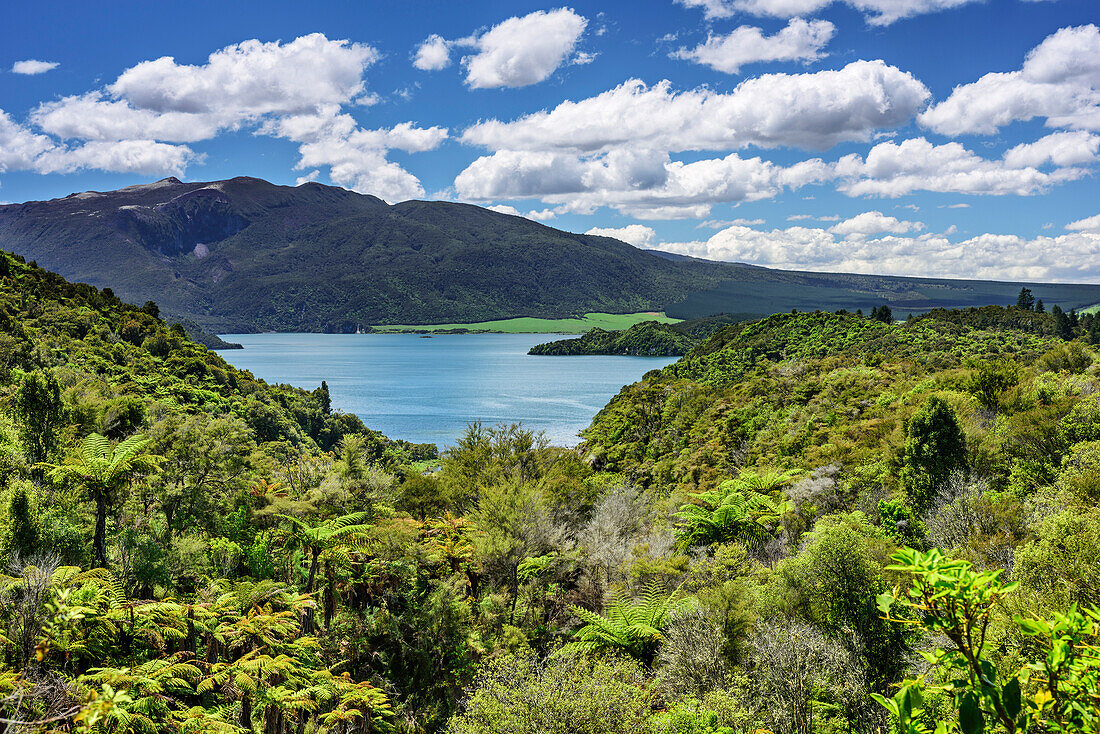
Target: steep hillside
244,254
119,361
816,389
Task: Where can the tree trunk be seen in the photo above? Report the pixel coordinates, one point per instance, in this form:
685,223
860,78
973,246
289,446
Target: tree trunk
307,621
246,713
330,595
99,542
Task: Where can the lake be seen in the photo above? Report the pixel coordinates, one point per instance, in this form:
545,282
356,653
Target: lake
428,390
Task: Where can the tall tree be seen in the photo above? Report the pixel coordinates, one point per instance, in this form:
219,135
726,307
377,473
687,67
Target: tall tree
1025,300
105,471
935,447
335,535
1063,325
23,532
39,413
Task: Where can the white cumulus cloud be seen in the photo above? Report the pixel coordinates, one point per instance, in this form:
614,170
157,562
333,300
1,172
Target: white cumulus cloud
30,67
356,157
1088,224
523,50
145,157
876,12
800,41
433,53
296,90
811,110
894,169
874,222
1069,257
638,235
1059,82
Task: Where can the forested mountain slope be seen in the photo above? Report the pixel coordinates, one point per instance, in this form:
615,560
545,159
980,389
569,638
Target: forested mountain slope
246,255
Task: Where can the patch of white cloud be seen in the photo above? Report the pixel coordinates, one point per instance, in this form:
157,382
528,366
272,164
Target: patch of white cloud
638,235
356,157
1069,257
296,90
541,215
21,149
894,169
1059,82
874,222
30,67
1057,149
649,184
251,78
876,12
721,223
522,50
433,54
800,40
1088,224
95,116
644,184
144,157
810,110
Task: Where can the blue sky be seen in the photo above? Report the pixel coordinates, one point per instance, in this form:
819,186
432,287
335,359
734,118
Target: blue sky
926,137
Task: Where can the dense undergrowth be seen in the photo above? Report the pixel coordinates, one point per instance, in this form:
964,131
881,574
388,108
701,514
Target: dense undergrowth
745,542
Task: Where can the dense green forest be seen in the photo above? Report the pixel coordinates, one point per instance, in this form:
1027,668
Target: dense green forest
647,339
811,523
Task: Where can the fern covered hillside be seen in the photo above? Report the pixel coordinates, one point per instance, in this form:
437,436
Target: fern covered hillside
762,536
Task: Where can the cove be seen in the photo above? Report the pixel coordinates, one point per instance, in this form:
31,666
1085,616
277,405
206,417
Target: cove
429,390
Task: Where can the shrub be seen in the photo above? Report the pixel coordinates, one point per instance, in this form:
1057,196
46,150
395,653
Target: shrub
563,695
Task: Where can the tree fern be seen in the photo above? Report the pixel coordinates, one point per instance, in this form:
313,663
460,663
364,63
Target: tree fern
631,626
739,510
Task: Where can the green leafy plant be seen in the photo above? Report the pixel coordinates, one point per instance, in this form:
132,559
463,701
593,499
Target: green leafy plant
631,626
1059,690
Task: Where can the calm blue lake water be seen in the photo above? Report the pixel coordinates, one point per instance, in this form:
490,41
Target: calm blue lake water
428,390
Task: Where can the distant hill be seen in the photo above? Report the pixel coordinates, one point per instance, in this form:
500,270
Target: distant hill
647,339
247,255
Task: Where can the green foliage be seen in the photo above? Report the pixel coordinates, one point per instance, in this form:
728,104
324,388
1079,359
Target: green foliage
990,380
647,339
1061,563
519,695
1055,690
739,510
104,470
1070,357
22,531
630,626
38,410
935,446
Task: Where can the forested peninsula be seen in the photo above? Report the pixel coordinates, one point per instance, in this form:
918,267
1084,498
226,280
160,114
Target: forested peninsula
813,522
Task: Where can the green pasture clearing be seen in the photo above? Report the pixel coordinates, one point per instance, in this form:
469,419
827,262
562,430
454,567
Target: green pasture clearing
527,325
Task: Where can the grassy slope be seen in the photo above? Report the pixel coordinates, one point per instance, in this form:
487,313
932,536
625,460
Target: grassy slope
607,321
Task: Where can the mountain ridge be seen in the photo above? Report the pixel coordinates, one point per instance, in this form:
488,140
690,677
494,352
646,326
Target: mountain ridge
243,254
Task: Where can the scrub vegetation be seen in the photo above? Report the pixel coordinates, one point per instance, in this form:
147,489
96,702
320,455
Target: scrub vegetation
813,522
